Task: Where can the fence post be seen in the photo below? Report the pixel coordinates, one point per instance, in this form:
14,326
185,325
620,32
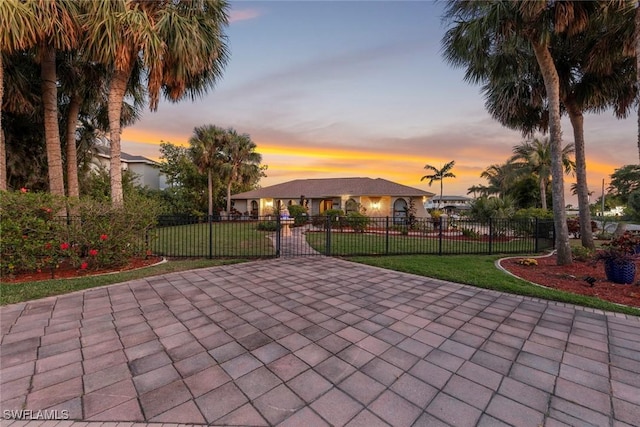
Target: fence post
327,248
386,243
278,235
210,236
536,235
490,236
440,236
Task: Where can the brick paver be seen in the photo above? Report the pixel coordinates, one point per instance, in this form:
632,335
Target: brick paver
314,341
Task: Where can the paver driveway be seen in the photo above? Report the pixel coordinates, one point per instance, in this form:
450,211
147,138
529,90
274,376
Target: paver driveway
318,341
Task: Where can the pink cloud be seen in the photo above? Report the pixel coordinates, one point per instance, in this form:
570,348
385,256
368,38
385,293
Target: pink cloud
243,15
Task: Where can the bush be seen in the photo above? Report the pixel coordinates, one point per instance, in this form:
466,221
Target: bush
267,226
37,234
580,253
299,214
470,233
335,216
357,221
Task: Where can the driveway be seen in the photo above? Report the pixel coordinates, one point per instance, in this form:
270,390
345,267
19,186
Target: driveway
315,341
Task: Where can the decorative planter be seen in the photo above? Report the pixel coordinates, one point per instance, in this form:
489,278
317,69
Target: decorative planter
622,272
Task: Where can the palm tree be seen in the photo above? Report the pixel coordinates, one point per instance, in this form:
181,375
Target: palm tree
17,33
206,145
484,27
499,177
439,175
240,160
534,157
57,30
180,45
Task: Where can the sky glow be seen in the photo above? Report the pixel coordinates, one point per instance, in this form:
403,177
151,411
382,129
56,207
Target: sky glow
359,89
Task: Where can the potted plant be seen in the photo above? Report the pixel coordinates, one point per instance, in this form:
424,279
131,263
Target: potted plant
619,256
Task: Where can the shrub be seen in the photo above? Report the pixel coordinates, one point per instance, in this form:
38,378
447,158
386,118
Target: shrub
580,253
470,233
36,233
299,214
267,226
357,221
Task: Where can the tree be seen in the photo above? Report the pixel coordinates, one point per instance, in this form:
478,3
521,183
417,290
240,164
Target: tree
534,157
206,144
624,181
482,27
57,29
180,44
240,161
18,32
439,175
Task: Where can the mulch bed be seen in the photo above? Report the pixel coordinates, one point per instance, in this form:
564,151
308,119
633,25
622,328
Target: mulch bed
572,279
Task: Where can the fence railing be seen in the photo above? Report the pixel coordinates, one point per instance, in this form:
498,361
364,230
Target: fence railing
202,237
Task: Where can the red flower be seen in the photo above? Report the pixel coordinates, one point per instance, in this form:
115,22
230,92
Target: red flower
23,190
47,246
93,252
64,246
103,237
84,265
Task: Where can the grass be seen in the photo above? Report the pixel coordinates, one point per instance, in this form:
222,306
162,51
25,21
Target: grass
480,271
19,292
344,244
229,239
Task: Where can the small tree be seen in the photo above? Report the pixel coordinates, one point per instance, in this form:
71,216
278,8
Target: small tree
439,175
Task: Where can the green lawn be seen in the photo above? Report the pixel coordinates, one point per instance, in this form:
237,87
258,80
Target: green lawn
480,271
343,244
229,239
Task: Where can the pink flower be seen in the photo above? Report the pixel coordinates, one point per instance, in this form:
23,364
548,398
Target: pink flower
93,252
84,265
103,237
23,190
64,246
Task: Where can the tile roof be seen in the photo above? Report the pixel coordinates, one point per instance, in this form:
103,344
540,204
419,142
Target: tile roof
333,187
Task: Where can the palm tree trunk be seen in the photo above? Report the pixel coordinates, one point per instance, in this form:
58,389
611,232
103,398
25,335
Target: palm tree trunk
441,191
3,150
51,129
552,86
117,90
542,183
577,122
229,196
73,187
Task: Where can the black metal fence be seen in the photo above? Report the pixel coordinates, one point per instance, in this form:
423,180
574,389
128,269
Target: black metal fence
201,237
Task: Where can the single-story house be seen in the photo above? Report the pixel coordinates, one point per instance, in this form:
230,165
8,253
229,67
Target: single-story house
147,172
379,197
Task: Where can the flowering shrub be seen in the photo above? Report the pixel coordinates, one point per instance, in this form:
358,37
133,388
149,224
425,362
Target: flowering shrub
35,236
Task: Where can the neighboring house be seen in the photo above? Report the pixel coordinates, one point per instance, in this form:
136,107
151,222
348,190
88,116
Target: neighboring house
147,171
379,197
449,204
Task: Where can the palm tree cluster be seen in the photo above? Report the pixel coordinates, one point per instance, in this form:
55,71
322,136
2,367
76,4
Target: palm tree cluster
227,158
525,177
538,60
99,62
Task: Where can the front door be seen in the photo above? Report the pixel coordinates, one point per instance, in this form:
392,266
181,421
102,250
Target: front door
326,205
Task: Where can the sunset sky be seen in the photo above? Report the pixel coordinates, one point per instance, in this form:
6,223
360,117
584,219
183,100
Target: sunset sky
359,89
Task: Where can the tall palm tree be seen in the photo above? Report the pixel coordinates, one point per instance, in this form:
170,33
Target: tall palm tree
57,30
18,32
499,176
180,44
534,157
439,175
240,160
481,27
206,145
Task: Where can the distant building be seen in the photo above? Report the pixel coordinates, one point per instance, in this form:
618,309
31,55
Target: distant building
147,171
449,204
380,198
